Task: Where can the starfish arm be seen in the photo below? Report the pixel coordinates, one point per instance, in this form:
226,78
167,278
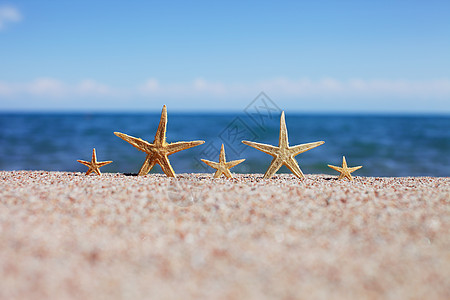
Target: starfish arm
227,173
166,167
89,171
178,146
218,173
233,163
212,164
339,169
268,149
86,163
342,175
94,156
353,169
292,165
148,164
160,136
295,150
103,163
222,155
283,140
275,165
135,142
344,162
97,171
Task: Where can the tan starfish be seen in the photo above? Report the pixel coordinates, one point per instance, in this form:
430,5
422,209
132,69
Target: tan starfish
345,171
159,150
223,167
94,165
283,154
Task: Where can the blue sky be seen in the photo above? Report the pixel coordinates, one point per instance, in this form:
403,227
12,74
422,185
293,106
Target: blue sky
308,56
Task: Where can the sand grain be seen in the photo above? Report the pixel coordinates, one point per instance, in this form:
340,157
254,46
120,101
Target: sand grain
71,236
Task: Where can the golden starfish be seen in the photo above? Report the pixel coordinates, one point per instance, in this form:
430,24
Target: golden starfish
159,150
223,167
94,165
345,171
283,154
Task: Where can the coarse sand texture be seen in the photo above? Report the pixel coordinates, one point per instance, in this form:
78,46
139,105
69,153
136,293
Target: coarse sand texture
71,236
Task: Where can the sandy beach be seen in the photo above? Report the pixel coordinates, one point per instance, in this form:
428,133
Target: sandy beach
70,236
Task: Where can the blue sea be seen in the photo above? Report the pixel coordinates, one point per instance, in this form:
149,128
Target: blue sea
384,145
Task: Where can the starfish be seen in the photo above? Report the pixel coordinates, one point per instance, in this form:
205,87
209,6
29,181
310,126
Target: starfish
94,165
159,150
223,167
345,171
283,154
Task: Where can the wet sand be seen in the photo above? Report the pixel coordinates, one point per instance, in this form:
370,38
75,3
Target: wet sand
70,236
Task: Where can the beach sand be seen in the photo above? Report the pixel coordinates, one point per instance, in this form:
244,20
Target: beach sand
70,236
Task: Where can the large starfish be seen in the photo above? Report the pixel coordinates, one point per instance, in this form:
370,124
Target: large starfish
223,167
94,165
159,150
345,171
283,154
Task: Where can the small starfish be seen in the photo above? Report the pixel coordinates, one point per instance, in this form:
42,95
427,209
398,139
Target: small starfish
159,150
345,171
283,154
223,167
94,165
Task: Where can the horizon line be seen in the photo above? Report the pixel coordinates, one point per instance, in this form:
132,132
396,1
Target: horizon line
225,112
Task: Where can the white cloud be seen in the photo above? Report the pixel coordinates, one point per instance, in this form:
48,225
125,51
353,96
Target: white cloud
212,88
54,88
326,93
9,14
5,89
353,88
281,87
285,87
44,87
89,87
197,87
150,86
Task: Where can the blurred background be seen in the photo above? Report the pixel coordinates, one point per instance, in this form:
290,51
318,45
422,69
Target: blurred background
371,79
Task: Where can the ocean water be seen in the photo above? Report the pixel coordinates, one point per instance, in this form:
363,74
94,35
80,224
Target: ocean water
383,145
